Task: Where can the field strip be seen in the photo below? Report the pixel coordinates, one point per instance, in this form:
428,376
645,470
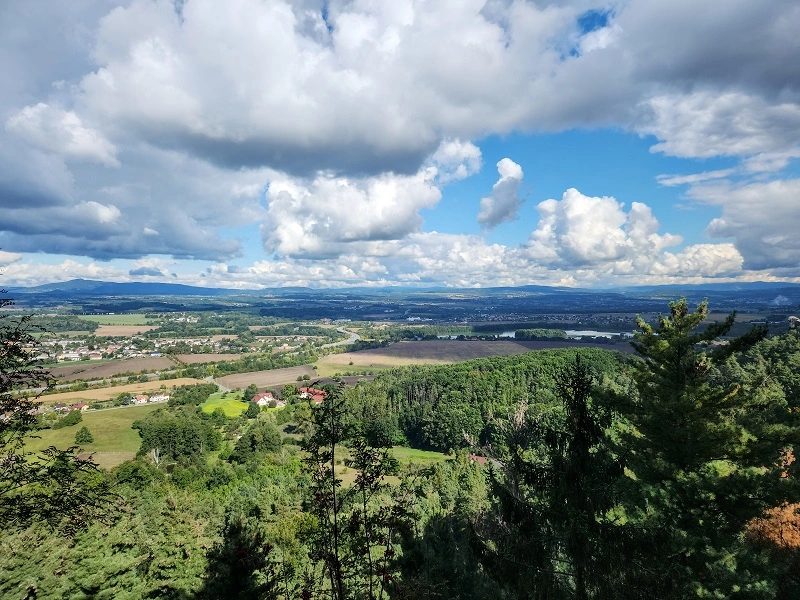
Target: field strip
108,393
270,378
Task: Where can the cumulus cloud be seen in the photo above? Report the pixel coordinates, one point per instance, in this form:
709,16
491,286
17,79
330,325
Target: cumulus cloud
762,219
28,273
316,217
504,202
579,231
456,159
54,129
706,123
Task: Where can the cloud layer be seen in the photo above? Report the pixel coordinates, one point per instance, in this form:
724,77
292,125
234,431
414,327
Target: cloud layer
160,129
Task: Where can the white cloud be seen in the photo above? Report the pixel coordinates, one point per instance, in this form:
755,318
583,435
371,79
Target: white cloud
504,202
708,123
455,159
316,217
27,273
580,231
6,258
762,219
673,180
700,260
62,132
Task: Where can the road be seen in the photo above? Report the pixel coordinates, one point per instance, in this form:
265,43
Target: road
354,337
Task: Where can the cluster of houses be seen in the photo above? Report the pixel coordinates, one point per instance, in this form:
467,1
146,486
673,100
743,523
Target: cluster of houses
316,396
61,407
269,399
145,399
74,350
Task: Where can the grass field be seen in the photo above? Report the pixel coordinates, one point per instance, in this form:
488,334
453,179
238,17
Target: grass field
230,403
114,439
408,456
112,392
405,456
132,319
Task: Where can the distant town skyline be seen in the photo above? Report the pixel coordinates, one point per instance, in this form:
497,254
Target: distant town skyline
333,143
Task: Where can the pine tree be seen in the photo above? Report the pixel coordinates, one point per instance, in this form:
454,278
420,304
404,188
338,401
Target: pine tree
707,455
84,436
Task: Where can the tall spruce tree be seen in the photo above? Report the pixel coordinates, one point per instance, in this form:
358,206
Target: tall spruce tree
706,455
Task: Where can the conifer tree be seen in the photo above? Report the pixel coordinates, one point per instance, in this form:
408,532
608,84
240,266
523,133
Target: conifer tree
707,456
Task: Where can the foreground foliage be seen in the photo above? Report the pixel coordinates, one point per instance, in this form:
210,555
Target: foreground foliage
574,474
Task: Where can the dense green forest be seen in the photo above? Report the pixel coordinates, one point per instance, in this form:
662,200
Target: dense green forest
569,474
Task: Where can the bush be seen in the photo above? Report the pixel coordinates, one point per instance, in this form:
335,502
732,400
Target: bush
72,418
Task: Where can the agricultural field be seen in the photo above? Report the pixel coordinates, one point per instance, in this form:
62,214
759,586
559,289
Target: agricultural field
103,370
114,439
131,319
108,393
265,379
195,359
432,352
123,330
230,403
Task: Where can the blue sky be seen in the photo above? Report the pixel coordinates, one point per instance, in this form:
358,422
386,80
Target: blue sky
263,143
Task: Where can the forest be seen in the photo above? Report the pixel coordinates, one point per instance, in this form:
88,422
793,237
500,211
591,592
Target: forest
563,474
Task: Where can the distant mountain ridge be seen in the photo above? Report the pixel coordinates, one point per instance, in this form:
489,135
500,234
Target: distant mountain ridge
89,287
134,288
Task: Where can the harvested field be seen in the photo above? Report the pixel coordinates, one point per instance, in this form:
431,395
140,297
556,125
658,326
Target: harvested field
222,337
107,393
431,352
122,330
264,379
111,369
129,319
196,359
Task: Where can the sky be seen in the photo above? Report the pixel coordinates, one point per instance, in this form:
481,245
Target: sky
463,143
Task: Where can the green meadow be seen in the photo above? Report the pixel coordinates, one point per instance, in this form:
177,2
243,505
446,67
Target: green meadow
230,403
